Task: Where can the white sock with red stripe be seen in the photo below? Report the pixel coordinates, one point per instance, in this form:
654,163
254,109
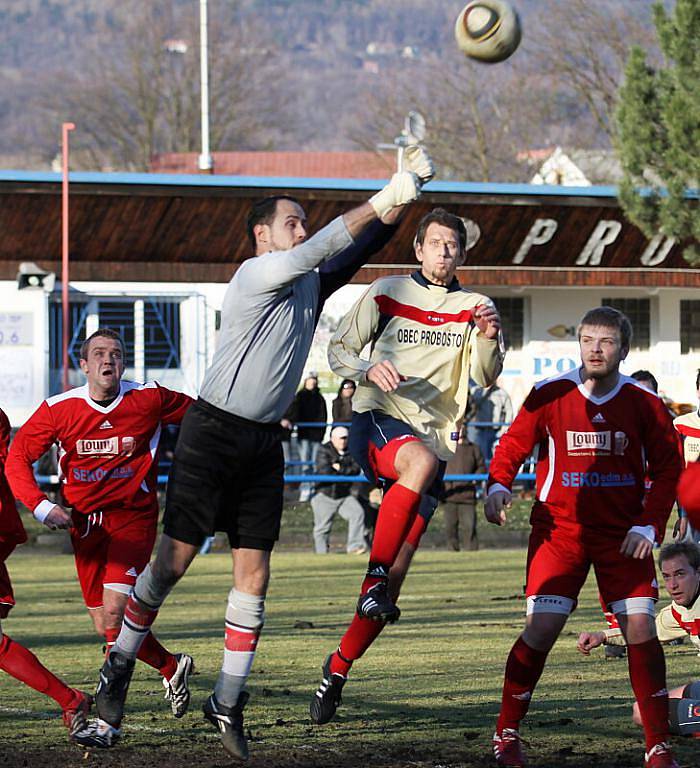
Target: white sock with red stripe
141,611
245,615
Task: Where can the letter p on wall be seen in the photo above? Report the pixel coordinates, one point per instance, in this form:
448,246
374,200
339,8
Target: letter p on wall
541,232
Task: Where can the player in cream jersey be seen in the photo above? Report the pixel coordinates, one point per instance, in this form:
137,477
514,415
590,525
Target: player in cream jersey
428,336
679,564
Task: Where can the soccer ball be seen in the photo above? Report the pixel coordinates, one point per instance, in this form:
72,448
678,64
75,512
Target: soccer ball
488,30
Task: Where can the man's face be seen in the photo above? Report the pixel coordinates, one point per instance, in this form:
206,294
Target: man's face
440,254
310,383
287,229
104,365
339,440
601,350
680,579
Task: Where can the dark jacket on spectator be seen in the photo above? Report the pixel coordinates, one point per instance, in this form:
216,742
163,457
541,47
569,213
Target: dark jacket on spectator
342,409
327,456
466,461
309,405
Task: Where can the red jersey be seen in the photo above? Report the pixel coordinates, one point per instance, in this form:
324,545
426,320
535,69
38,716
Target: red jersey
593,454
11,528
107,455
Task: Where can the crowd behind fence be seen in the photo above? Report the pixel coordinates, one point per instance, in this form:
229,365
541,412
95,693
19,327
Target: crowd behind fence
292,477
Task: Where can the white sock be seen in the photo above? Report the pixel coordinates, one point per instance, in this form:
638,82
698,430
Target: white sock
140,613
245,615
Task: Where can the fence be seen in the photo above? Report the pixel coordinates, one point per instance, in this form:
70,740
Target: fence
164,466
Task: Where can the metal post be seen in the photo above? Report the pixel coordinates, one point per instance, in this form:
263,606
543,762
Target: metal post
64,252
205,159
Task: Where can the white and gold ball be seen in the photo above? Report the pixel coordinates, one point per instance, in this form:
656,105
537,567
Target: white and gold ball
488,30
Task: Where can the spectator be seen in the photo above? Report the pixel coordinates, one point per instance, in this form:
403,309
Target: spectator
309,406
647,380
489,405
337,498
342,405
459,499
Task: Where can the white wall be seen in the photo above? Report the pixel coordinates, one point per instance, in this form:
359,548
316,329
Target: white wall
542,355
24,356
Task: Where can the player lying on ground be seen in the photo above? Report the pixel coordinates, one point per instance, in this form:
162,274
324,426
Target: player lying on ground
680,569
107,432
15,659
428,336
593,428
228,468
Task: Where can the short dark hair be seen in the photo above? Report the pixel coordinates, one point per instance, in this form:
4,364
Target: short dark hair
643,375
263,212
106,333
608,317
446,219
689,549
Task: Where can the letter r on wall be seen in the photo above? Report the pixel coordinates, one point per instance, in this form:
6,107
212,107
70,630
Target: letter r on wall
604,234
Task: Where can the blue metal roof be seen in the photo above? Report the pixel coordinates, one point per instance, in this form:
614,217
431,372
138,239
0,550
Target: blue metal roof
287,182
283,182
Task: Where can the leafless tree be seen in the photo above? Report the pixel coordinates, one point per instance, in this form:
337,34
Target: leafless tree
141,96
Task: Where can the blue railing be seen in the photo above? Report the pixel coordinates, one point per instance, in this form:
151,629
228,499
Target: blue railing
313,478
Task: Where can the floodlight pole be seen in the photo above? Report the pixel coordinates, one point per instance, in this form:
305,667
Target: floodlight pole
64,251
205,160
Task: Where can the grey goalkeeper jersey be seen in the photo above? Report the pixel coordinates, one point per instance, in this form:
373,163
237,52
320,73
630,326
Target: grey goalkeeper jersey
268,320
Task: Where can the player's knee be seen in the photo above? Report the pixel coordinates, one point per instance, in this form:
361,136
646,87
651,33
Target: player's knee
417,464
167,574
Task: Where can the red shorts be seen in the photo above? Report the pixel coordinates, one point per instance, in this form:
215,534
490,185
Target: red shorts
111,549
559,558
7,598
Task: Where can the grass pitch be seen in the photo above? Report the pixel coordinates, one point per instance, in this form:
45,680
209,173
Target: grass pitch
426,694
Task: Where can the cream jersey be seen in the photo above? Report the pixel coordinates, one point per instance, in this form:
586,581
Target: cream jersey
688,427
428,332
673,621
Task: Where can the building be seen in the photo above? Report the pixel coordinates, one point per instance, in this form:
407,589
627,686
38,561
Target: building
151,255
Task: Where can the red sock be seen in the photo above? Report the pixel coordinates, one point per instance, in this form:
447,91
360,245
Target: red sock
151,652
523,670
396,515
417,531
647,667
609,616
23,665
357,639
111,634
158,657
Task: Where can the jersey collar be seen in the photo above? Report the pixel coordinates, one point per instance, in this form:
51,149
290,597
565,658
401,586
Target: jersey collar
421,279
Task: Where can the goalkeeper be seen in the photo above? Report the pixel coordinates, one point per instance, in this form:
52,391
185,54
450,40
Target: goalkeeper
228,468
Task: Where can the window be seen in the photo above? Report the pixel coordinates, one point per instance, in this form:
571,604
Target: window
161,329
119,316
690,326
512,311
77,312
639,313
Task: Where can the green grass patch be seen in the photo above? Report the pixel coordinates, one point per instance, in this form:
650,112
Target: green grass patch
426,694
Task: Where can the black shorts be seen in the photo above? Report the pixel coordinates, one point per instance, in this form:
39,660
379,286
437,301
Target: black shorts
227,475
